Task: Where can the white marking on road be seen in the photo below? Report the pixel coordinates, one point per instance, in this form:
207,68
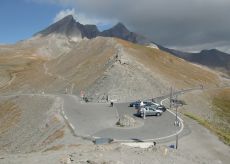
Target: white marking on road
66,117
139,144
163,101
71,125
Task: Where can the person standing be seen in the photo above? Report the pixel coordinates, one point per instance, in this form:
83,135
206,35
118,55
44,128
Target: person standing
141,104
144,112
111,103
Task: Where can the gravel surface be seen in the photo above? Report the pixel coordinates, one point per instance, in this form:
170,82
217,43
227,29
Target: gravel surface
199,147
38,120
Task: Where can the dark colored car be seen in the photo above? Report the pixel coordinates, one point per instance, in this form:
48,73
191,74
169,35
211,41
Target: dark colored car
162,108
135,103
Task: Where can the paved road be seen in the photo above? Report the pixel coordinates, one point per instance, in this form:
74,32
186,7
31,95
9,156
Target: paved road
153,127
98,120
88,119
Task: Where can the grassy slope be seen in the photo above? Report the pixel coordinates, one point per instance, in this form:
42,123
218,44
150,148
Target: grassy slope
221,101
179,72
9,116
87,62
220,107
84,63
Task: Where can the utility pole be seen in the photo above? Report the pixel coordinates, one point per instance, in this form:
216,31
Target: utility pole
176,141
174,104
171,94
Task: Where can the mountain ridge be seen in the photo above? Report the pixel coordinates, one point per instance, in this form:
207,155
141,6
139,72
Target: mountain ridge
76,31
69,27
212,58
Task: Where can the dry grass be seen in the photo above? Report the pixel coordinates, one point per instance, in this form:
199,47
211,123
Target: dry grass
222,134
9,116
58,134
24,67
54,148
74,145
86,62
215,115
221,101
221,107
82,66
178,71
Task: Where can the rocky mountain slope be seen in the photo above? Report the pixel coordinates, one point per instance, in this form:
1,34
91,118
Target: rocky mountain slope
53,62
213,58
101,66
70,28
120,31
67,29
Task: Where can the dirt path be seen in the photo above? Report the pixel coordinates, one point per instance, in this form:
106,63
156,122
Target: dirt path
46,71
8,83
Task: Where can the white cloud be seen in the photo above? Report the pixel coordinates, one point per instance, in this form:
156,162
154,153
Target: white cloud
175,23
83,19
64,13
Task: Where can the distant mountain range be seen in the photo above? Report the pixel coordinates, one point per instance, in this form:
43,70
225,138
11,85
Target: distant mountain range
76,31
213,58
68,57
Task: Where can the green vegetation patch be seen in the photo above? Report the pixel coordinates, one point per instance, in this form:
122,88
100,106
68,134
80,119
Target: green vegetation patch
221,103
219,131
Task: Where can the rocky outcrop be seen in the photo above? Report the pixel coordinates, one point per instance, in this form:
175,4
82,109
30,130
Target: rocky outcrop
76,31
70,28
120,31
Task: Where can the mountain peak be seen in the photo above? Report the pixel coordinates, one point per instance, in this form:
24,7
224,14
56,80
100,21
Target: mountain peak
68,27
67,19
74,30
210,50
63,26
120,27
119,30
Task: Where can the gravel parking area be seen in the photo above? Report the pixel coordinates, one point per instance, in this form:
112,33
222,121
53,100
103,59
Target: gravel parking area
99,120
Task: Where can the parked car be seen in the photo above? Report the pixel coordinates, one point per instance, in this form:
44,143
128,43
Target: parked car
149,111
135,103
162,108
149,103
155,105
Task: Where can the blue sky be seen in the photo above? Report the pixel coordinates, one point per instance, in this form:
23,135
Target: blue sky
182,24
20,19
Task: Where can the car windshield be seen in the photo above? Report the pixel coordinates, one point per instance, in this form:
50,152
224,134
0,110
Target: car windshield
152,109
154,106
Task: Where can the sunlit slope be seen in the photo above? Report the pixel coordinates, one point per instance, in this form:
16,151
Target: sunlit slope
177,71
69,72
85,63
99,66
